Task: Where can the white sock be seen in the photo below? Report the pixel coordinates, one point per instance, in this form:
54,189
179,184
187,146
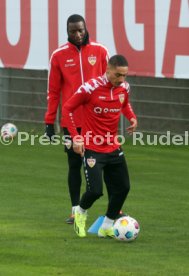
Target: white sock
81,210
73,209
107,223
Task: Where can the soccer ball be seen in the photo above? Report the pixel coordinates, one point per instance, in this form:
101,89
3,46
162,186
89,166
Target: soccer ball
9,131
126,229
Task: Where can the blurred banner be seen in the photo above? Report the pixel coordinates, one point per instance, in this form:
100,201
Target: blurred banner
152,34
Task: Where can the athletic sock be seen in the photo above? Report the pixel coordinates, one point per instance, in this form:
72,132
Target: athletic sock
107,223
73,209
81,210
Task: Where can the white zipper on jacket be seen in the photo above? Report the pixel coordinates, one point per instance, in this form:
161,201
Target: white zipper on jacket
81,67
111,94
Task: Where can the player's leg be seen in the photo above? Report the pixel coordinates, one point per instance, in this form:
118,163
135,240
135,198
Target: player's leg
109,192
120,186
74,178
94,189
93,164
117,179
74,175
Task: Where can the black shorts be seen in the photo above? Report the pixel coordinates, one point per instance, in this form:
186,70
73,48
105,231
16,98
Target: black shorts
110,167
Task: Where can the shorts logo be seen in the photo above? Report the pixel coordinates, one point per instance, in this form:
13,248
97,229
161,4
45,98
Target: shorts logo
121,98
92,60
91,162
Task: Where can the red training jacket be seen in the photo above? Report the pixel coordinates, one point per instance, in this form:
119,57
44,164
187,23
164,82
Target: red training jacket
102,107
69,68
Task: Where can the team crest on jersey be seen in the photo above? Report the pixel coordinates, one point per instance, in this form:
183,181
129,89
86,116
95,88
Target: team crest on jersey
92,60
91,162
121,98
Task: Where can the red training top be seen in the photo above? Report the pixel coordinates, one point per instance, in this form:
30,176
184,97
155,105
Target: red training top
70,68
102,107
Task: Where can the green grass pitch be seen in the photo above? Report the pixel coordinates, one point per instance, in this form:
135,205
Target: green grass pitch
34,203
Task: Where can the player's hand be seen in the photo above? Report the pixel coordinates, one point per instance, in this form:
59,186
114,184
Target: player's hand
78,145
49,131
133,126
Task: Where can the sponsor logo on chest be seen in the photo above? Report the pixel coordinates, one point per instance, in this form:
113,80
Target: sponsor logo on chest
69,63
99,110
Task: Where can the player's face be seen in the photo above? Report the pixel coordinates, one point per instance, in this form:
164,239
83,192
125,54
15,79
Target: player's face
76,32
117,75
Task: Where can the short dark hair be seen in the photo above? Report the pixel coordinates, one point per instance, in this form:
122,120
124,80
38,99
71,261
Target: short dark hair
75,18
118,60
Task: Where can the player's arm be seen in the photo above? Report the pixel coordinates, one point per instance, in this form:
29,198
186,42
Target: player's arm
81,97
130,115
53,95
128,112
105,59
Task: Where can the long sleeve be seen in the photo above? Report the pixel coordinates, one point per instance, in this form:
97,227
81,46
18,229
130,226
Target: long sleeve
127,109
78,99
105,60
54,89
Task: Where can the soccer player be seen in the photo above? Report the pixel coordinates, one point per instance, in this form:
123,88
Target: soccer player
103,99
77,61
